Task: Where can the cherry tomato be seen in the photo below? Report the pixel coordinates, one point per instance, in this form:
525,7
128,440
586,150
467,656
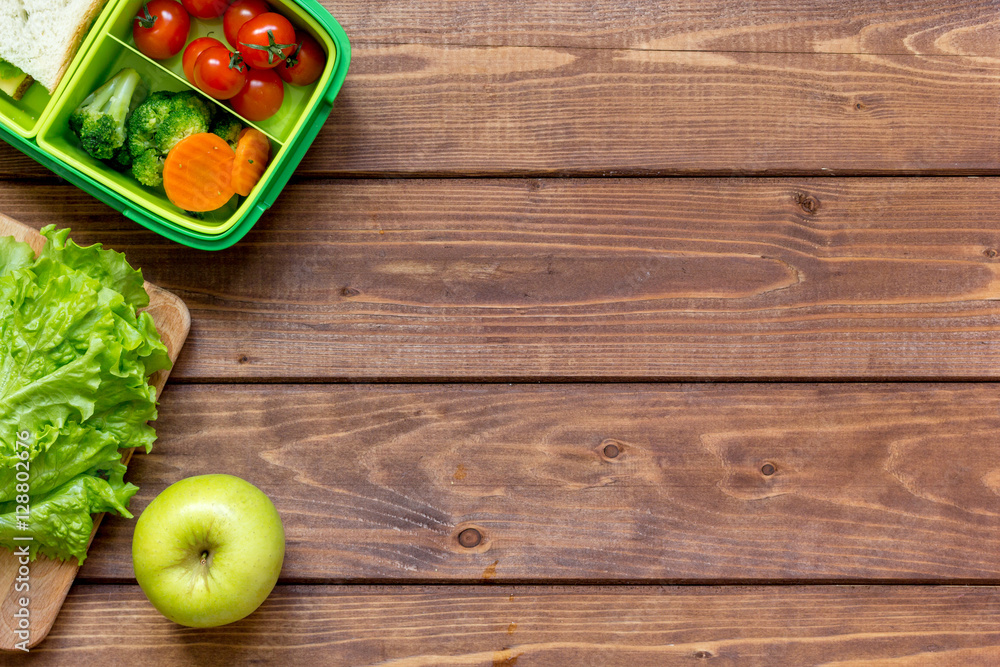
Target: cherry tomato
306,63
265,41
239,13
195,49
219,73
261,97
206,9
161,28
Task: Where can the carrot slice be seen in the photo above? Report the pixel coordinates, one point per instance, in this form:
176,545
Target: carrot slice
197,174
253,151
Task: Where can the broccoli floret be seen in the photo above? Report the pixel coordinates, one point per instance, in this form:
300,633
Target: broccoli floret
160,96
122,159
145,120
76,122
99,121
228,128
179,124
148,168
190,100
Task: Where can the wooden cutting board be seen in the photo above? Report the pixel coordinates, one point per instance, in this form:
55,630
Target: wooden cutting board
50,580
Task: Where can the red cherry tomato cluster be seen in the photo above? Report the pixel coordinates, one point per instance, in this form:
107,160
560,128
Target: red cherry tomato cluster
265,51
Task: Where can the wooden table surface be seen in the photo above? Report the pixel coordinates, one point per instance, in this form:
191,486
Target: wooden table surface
688,307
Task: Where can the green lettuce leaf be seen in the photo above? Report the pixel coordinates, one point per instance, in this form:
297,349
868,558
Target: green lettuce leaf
108,267
58,455
8,71
75,361
60,521
14,255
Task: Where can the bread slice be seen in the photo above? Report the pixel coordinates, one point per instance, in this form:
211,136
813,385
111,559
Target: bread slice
42,36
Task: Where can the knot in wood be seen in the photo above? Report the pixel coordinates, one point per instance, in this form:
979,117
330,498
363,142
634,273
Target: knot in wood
470,538
610,448
808,203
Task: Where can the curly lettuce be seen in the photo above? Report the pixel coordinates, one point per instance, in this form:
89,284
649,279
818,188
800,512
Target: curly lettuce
76,355
60,522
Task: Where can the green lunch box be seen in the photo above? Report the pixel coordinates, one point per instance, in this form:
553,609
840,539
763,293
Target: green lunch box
37,125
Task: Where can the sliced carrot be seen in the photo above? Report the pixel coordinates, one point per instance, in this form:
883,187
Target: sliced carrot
197,174
253,151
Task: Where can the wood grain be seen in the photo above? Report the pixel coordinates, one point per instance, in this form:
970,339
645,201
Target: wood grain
446,110
938,27
450,110
49,580
375,482
408,626
600,279
570,279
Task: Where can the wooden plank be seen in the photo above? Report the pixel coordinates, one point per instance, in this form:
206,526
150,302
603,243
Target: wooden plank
938,27
571,279
375,483
500,625
426,109
49,579
444,110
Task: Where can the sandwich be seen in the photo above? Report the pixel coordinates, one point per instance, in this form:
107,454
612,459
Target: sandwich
41,37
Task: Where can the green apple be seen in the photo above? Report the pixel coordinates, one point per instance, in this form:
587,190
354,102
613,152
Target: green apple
207,551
